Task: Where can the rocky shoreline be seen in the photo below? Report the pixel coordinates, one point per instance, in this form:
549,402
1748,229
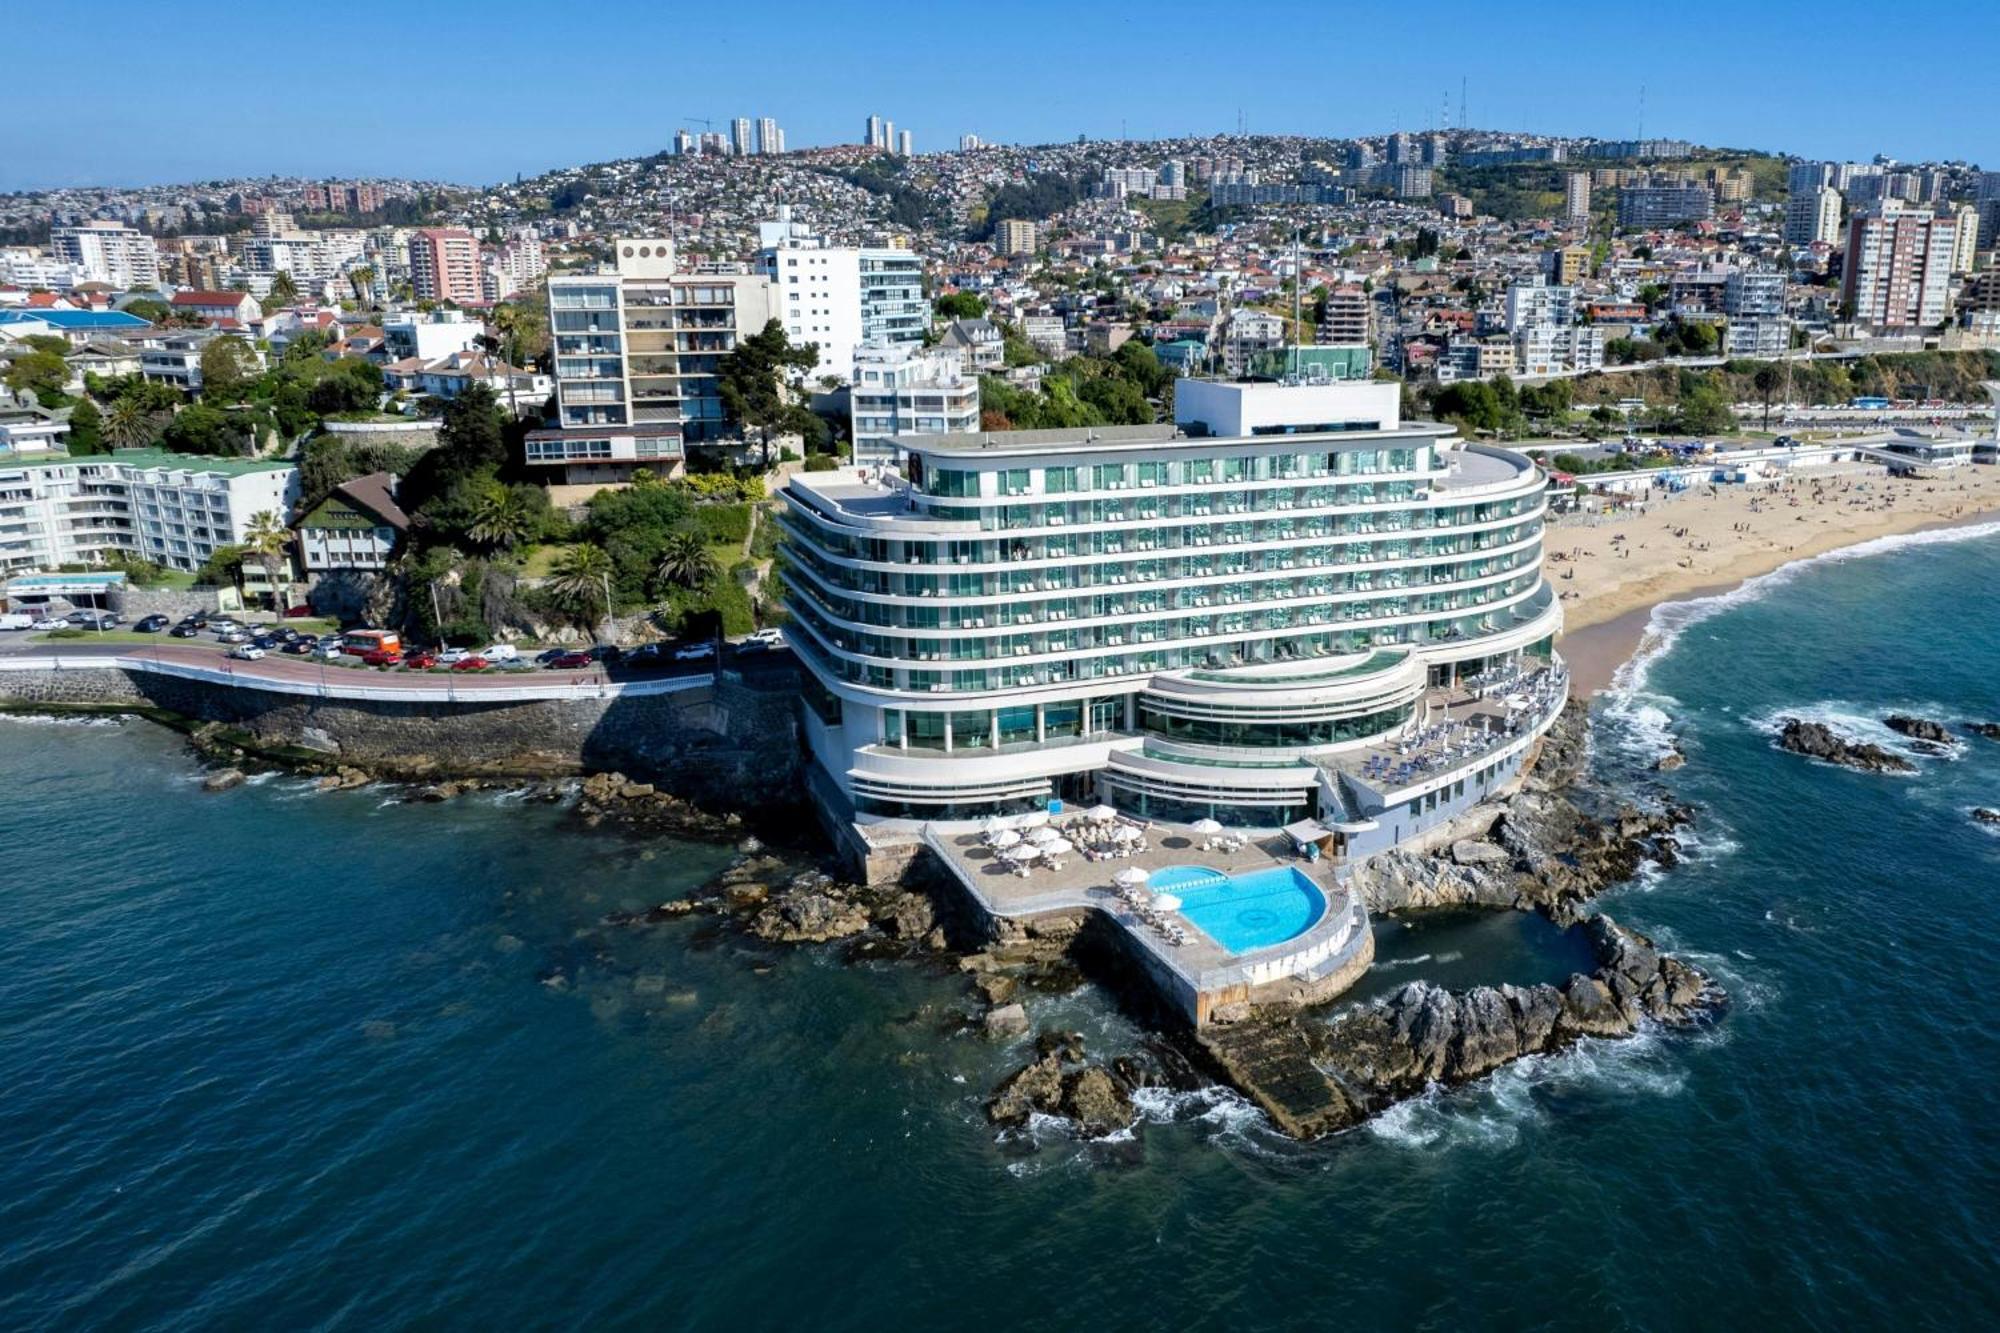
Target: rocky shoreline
1816,740
1313,1072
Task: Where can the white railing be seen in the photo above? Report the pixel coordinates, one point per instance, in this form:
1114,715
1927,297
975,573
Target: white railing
332,686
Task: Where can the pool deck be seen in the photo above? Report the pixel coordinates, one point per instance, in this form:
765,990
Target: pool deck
1199,976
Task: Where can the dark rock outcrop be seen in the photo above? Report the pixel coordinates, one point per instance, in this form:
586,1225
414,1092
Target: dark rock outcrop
1315,1079
1918,728
1815,740
809,916
1057,1082
1985,815
1984,730
223,779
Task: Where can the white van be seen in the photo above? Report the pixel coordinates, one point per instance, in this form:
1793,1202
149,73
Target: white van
500,652
16,620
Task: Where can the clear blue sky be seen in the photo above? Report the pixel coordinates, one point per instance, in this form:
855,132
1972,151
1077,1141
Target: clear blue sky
132,92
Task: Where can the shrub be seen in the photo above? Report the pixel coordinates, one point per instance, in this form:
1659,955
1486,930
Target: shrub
821,463
723,523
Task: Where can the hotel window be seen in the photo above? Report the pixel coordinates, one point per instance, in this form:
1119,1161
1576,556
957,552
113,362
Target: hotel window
1059,720
1059,480
1017,725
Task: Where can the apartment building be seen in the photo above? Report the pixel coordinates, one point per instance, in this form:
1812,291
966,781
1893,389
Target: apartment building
1646,207
1347,320
444,266
1219,618
172,509
839,297
1897,276
903,391
355,527
1539,303
1576,197
108,252
636,351
1812,217
1014,237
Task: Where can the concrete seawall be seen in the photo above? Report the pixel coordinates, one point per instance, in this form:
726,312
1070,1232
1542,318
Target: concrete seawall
726,745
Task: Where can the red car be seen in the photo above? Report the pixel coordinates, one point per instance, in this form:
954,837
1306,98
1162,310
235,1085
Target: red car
383,657
570,661
470,664
421,660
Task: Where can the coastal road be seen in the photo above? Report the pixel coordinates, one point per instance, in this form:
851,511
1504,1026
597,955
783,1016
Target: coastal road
304,670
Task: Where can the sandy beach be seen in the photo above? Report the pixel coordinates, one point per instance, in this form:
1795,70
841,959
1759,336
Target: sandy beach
1613,568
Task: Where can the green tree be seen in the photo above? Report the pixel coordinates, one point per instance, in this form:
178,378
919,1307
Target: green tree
228,364
686,562
576,586
264,541
501,517
752,380
1767,379
959,305
86,430
130,422
41,372
205,430
283,291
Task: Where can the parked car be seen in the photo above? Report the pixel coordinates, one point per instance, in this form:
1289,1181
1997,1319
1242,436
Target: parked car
328,650
383,657
569,661
93,619
50,622
187,629
547,656
150,624
606,653
500,652
451,657
645,655
16,620
246,652
423,659
199,619
268,642
232,636
470,664
772,637
300,646
694,652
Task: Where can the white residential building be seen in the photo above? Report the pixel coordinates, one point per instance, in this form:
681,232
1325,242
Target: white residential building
636,352
1812,217
25,266
1234,616
109,252
1897,277
1535,303
901,391
172,509
839,297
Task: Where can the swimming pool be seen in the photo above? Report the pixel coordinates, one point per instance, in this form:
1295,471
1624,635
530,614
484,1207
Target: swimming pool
1245,912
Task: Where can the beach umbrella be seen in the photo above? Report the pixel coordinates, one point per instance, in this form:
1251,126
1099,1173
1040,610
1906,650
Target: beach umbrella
1023,851
993,825
1125,833
1034,819
1129,877
1043,833
1206,826
1101,813
1058,848
1006,838
1166,902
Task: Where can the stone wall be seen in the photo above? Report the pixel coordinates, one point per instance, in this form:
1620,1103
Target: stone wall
729,747
173,603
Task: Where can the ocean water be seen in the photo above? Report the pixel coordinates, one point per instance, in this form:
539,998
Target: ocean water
275,1059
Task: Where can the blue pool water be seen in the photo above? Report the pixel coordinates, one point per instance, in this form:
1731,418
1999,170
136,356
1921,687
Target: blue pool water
1243,912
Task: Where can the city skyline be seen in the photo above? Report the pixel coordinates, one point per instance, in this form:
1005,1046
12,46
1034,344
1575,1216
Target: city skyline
1753,93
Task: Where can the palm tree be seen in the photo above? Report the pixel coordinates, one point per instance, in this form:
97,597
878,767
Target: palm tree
362,278
500,517
686,562
579,583
128,423
265,539
283,291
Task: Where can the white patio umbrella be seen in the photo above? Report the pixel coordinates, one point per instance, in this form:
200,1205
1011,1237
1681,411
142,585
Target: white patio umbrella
1022,851
1059,847
1006,838
1129,876
1206,826
993,824
1125,833
1100,813
1034,819
1043,833
1166,902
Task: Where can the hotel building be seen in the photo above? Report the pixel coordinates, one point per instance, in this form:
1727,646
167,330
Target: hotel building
636,353
904,391
1252,614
